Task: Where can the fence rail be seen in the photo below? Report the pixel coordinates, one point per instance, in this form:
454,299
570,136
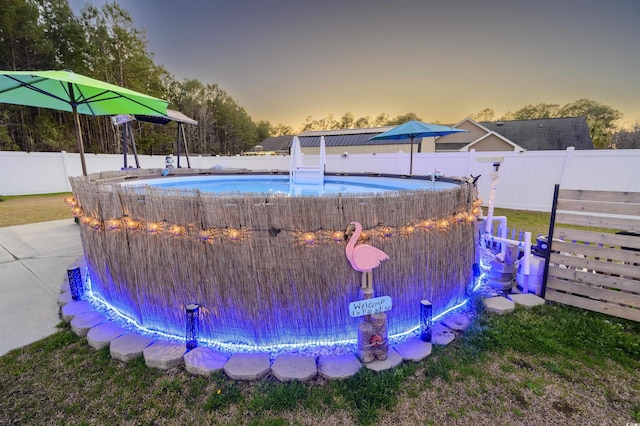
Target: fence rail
596,267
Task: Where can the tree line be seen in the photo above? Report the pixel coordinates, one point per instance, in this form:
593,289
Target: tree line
105,44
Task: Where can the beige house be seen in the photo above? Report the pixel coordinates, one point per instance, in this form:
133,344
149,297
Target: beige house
477,137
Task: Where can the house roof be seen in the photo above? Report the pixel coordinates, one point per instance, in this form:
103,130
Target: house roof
544,134
372,131
346,140
344,137
276,143
455,146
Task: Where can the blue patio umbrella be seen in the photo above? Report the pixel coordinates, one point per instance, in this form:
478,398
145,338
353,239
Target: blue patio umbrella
415,129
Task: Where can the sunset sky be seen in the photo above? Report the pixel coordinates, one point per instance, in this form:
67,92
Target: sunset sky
285,60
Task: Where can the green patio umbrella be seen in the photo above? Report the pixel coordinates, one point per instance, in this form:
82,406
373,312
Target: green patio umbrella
67,91
415,129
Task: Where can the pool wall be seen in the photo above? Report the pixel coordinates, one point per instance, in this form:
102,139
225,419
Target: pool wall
270,270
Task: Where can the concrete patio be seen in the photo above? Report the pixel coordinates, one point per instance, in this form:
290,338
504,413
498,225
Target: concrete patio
33,262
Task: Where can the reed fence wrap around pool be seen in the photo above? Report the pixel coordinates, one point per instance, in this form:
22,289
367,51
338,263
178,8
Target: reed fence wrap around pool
595,269
270,269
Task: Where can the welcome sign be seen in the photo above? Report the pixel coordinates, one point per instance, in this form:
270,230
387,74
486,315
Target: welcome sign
370,306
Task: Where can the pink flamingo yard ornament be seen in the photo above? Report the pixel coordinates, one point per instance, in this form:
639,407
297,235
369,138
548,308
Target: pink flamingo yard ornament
363,258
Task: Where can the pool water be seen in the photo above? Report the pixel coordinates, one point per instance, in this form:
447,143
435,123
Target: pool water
280,184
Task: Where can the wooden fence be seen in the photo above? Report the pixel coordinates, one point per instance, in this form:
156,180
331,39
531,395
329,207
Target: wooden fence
594,256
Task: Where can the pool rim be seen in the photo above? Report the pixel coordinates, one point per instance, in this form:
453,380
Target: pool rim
142,179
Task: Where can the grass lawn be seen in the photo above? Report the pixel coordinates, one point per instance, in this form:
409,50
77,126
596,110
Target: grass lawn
521,220
26,209
549,365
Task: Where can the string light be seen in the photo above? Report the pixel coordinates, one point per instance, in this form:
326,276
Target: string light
427,224
113,224
460,217
207,235
71,202
233,234
386,232
132,321
76,211
407,230
131,224
306,238
337,236
153,227
177,230
309,238
443,224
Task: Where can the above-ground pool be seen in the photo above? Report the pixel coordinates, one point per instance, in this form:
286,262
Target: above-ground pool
267,269
280,184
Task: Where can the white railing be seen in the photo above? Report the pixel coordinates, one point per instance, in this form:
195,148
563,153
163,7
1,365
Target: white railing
300,173
526,178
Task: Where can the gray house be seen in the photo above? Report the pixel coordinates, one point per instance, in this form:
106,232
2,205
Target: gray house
518,135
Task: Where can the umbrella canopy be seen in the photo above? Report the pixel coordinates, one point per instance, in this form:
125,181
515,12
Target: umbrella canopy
172,115
415,129
67,91
179,118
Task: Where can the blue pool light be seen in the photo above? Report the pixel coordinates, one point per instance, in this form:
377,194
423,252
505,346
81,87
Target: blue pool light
75,282
426,320
193,325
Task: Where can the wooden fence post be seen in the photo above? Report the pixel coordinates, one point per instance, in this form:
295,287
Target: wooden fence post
547,256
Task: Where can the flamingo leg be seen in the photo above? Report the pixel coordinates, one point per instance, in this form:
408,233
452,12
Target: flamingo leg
367,280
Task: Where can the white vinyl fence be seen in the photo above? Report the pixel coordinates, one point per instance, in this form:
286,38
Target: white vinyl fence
525,179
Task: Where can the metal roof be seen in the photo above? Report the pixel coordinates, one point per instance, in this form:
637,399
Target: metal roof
344,140
367,130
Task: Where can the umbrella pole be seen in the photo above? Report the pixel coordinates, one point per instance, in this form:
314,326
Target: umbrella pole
76,120
124,143
411,158
186,148
178,143
133,146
